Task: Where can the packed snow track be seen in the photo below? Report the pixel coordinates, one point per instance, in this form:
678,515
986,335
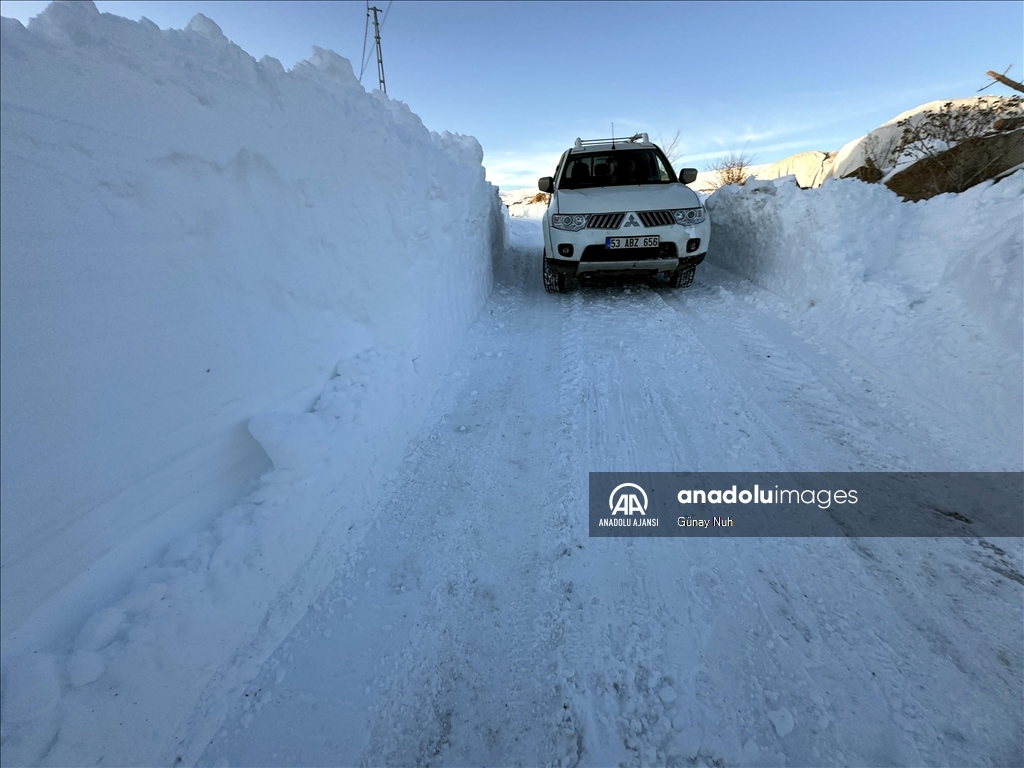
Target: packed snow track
478,624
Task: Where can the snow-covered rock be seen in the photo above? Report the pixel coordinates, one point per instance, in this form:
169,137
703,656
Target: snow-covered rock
524,203
875,150
880,144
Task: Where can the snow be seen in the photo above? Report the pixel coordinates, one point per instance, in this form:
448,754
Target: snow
707,181
296,446
809,168
477,623
928,294
782,719
518,202
194,246
85,667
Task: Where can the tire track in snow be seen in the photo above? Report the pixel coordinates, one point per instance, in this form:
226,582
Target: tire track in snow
630,681
463,674
801,389
696,725
525,670
491,630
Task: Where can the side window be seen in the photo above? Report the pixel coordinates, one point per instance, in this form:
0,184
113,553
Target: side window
662,172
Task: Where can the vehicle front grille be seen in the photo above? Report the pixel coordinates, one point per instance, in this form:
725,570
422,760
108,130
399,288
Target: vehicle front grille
605,220
656,218
600,253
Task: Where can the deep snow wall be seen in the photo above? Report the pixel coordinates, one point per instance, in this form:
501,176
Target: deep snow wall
191,239
930,295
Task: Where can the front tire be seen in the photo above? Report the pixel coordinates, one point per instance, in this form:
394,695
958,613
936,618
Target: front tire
554,282
683,276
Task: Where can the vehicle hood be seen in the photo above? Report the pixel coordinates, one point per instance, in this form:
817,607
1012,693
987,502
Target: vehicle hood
640,197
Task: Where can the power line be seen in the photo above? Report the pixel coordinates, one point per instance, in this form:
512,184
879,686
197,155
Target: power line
365,62
366,31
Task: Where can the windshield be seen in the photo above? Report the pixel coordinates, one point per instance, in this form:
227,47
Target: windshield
617,168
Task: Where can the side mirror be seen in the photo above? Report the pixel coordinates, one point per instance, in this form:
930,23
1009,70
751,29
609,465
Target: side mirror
687,175
546,184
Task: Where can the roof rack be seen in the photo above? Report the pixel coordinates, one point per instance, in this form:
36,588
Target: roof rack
637,137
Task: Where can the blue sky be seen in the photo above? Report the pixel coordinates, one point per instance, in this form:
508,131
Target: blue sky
527,78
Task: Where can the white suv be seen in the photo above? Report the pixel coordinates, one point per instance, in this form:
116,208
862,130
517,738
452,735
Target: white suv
617,207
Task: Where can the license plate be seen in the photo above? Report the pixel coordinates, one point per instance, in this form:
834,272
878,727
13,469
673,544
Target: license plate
650,241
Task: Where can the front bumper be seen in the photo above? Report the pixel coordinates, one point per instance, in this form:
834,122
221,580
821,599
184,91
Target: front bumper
639,266
681,245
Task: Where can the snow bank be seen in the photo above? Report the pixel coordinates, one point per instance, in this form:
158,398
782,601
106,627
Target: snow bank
520,205
707,181
809,168
195,244
929,293
528,210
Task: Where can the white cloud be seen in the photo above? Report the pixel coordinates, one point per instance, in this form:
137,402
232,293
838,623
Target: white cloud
519,170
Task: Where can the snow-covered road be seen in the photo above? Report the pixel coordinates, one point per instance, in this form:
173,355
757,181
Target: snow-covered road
479,624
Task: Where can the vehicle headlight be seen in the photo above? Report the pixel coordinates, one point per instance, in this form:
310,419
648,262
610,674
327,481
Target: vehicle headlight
689,215
572,222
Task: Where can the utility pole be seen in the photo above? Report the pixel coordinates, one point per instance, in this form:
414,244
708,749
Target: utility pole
380,56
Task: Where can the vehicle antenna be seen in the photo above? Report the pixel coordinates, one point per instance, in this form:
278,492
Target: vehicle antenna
613,135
